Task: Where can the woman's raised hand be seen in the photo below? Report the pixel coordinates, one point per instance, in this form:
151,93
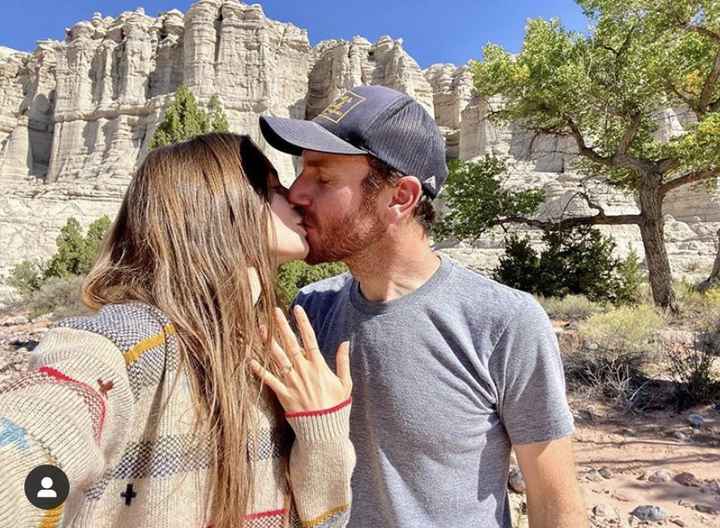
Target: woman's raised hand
305,382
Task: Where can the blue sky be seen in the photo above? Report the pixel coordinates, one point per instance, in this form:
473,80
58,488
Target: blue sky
433,31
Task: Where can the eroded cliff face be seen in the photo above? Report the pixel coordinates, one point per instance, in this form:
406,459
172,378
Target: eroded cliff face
76,118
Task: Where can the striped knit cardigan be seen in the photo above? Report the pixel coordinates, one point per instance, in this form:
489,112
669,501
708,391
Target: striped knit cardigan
93,406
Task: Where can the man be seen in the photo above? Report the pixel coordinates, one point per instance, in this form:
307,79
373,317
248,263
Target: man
450,369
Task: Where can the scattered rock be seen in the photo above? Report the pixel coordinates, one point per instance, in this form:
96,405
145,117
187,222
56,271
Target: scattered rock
684,503
516,480
606,472
44,318
584,415
661,475
15,321
649,513
679,435
687,479
703,508
594,476
696,421
678,522
604,511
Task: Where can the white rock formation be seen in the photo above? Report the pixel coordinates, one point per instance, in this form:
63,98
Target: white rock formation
76,117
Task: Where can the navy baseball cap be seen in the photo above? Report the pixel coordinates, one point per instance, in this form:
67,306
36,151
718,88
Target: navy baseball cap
374,120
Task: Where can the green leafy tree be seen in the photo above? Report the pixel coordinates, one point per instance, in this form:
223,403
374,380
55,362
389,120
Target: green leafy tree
476,199
605,90
184,119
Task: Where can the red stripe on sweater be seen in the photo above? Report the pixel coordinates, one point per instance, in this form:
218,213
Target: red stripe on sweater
261,515
54,373
320,412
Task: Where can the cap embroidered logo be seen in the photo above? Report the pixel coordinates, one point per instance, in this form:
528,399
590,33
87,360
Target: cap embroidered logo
341,107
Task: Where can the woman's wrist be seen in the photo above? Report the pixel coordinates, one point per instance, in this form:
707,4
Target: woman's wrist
323,424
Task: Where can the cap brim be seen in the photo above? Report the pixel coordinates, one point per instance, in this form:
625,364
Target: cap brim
295,135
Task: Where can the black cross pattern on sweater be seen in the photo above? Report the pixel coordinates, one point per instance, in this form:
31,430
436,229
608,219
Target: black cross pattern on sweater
128,494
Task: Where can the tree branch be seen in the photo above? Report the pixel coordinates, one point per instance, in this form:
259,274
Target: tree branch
709,85
629,134
703,31
564,223
618,160
630,219
668,164
586,151
687,179
684,98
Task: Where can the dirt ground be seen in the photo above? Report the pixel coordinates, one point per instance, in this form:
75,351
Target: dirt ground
629,461
623,461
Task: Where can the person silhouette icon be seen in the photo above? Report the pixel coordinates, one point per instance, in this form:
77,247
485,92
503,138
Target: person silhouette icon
46,487
47,492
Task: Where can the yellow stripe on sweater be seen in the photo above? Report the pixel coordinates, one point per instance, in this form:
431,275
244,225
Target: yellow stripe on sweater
317,521
132,355
52,517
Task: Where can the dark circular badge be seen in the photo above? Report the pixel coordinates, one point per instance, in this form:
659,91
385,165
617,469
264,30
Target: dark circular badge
47,487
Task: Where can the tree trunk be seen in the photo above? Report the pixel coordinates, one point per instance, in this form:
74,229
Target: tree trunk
653,237
714,278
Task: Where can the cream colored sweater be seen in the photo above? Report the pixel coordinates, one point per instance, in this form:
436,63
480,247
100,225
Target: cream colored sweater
93,407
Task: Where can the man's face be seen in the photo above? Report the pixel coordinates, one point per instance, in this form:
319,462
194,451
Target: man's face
338,216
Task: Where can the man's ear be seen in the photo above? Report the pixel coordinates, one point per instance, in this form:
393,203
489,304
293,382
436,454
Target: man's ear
406,194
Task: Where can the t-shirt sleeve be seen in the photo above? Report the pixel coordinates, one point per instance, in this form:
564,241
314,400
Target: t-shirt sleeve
528,372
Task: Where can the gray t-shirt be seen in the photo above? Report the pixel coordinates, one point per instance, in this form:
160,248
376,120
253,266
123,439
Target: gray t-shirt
445,379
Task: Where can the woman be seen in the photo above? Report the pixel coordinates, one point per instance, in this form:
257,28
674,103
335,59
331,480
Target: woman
153,406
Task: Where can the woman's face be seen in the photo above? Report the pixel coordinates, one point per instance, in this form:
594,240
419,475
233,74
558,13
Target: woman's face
290,238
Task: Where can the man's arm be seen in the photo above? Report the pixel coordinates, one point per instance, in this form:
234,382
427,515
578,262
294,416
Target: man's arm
553,495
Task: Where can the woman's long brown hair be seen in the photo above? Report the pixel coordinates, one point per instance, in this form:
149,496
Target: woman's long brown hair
194,218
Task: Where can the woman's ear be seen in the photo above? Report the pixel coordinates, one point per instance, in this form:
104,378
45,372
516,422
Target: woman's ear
406,194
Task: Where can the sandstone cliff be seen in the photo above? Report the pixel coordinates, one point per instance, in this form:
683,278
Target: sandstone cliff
77,116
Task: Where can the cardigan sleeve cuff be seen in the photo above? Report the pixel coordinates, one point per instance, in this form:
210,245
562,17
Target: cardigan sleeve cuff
321,425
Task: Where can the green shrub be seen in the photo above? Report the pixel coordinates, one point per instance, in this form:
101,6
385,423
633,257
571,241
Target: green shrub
27,276
520,266
630,280
76,253
570,307
624,329
617,346
296,274
75,256
578,261
59,296
694,368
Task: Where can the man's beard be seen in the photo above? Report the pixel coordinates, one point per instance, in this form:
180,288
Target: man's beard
343,238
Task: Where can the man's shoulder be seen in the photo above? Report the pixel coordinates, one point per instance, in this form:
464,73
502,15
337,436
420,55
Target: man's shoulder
324,292
480,287
493,302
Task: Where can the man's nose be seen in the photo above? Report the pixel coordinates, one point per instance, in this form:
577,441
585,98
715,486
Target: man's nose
298,194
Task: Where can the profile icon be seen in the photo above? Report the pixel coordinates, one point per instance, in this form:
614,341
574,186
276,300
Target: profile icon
47,491
47,487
